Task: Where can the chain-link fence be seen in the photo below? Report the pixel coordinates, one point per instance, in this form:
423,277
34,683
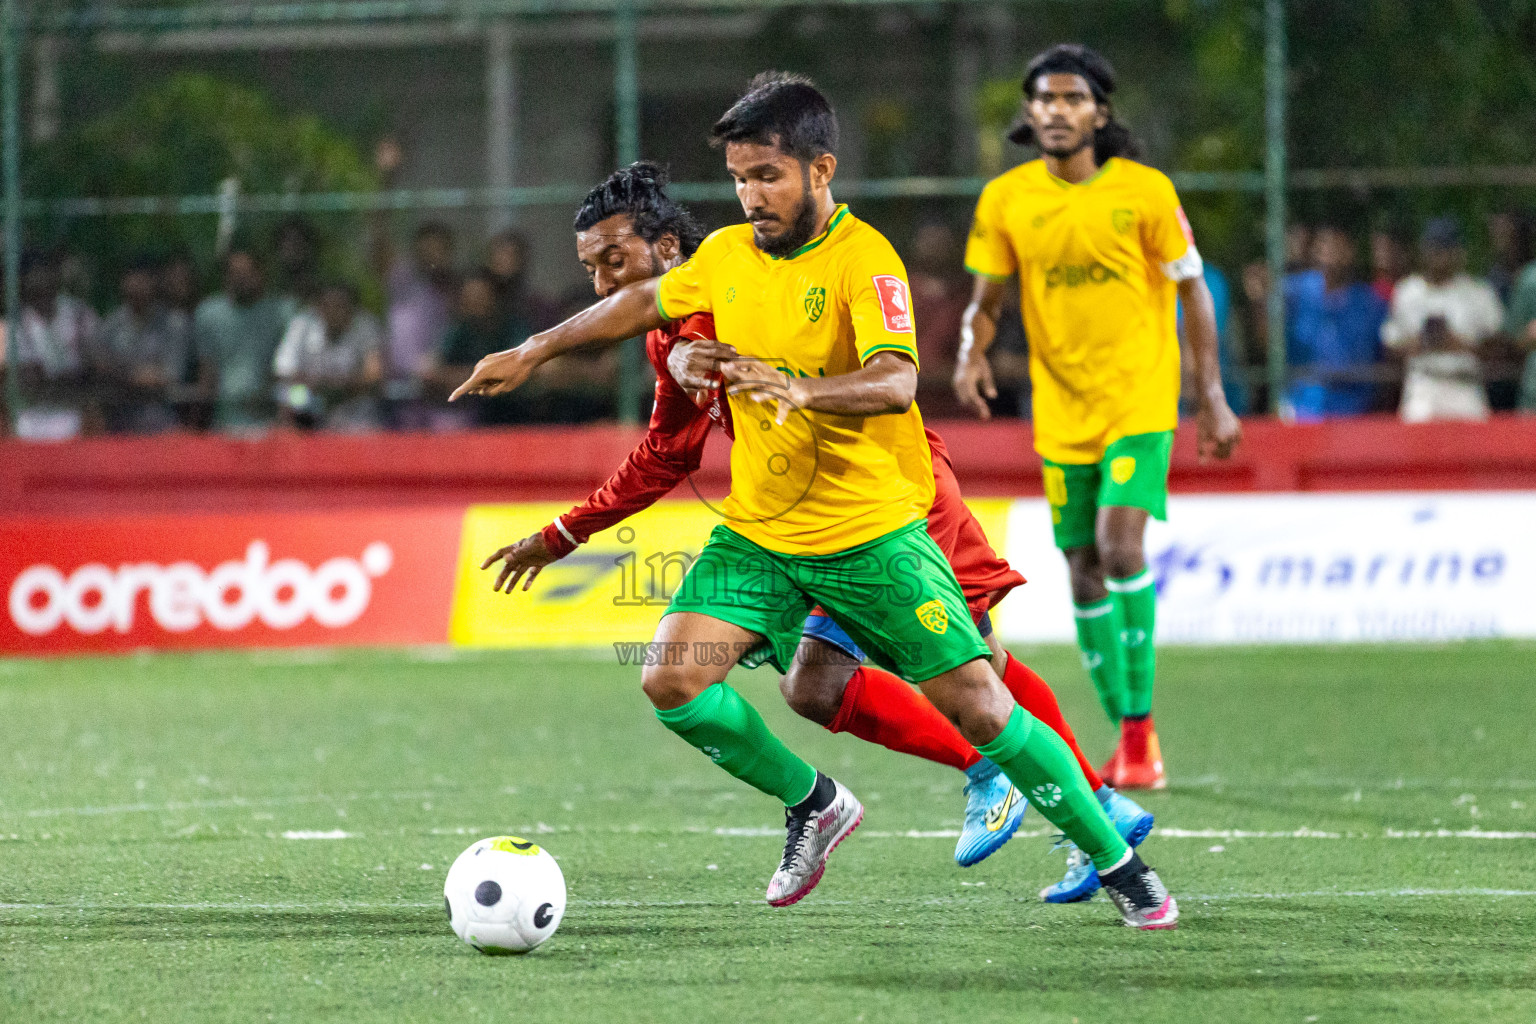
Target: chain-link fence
139,132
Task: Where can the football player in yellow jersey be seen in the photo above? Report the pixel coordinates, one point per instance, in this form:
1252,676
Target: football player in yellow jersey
831,476
1104,256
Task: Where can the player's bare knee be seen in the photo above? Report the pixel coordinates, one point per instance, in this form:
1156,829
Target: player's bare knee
974,699
980,718
1086,570
669,686
1120,559
814,691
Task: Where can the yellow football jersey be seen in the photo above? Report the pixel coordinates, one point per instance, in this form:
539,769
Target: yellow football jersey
818,483
1098,264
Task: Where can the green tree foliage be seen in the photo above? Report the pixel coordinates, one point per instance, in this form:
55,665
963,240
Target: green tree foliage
1375,83
184,136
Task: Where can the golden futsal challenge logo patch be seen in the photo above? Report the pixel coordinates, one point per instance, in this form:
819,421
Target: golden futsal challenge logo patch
1122,469
933,616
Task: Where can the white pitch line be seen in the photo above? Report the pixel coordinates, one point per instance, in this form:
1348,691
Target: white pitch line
774,831
1169,832
1398,785
219,804
927,900
1203,782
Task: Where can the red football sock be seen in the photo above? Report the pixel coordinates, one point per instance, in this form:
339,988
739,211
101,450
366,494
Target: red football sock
1036,696
882,709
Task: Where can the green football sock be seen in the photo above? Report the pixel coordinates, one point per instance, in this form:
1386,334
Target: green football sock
1037,761
1098,637
1135,601
723,725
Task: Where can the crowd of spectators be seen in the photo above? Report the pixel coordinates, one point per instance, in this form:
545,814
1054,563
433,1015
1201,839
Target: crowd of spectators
279,344
1416,332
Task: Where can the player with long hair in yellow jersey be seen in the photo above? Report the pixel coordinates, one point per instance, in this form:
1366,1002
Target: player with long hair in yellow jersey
1104,256
831,478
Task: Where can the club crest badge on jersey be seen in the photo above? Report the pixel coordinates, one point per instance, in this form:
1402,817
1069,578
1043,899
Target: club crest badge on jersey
815,303
894,303
933,616
1122,220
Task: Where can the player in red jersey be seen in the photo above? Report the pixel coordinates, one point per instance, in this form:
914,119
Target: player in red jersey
628,229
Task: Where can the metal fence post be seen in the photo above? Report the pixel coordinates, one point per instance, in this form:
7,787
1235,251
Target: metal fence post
1274,194
10,141
626,116
500,115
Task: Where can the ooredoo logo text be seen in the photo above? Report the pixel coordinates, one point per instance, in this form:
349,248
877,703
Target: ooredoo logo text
182,596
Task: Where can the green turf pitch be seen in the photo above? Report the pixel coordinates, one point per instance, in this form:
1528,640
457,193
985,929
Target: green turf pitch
145,872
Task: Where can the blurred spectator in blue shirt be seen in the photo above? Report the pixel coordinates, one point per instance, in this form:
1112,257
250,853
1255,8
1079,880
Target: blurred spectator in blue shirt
1332,332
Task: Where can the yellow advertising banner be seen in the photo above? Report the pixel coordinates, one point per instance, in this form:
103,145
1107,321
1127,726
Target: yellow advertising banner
610,590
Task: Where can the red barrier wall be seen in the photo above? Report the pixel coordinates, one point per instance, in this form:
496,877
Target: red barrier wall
295,472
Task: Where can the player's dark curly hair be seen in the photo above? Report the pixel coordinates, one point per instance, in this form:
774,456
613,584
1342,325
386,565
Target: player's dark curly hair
1114,139
783,110
640,191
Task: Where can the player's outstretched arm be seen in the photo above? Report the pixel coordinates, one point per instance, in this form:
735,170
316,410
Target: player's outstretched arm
1218,426
672,448
978,328
524,560
628,312
885,384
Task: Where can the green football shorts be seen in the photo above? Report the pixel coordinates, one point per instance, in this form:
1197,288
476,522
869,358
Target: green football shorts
896,596
1132,473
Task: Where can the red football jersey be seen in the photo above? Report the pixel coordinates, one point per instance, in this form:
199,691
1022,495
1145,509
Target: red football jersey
671,449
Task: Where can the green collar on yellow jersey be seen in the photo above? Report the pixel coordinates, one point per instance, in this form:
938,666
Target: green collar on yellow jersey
1095,176
837,218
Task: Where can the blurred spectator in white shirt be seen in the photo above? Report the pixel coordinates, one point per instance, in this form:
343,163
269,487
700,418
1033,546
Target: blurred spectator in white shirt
141,355
55,337
330,363
1438,320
